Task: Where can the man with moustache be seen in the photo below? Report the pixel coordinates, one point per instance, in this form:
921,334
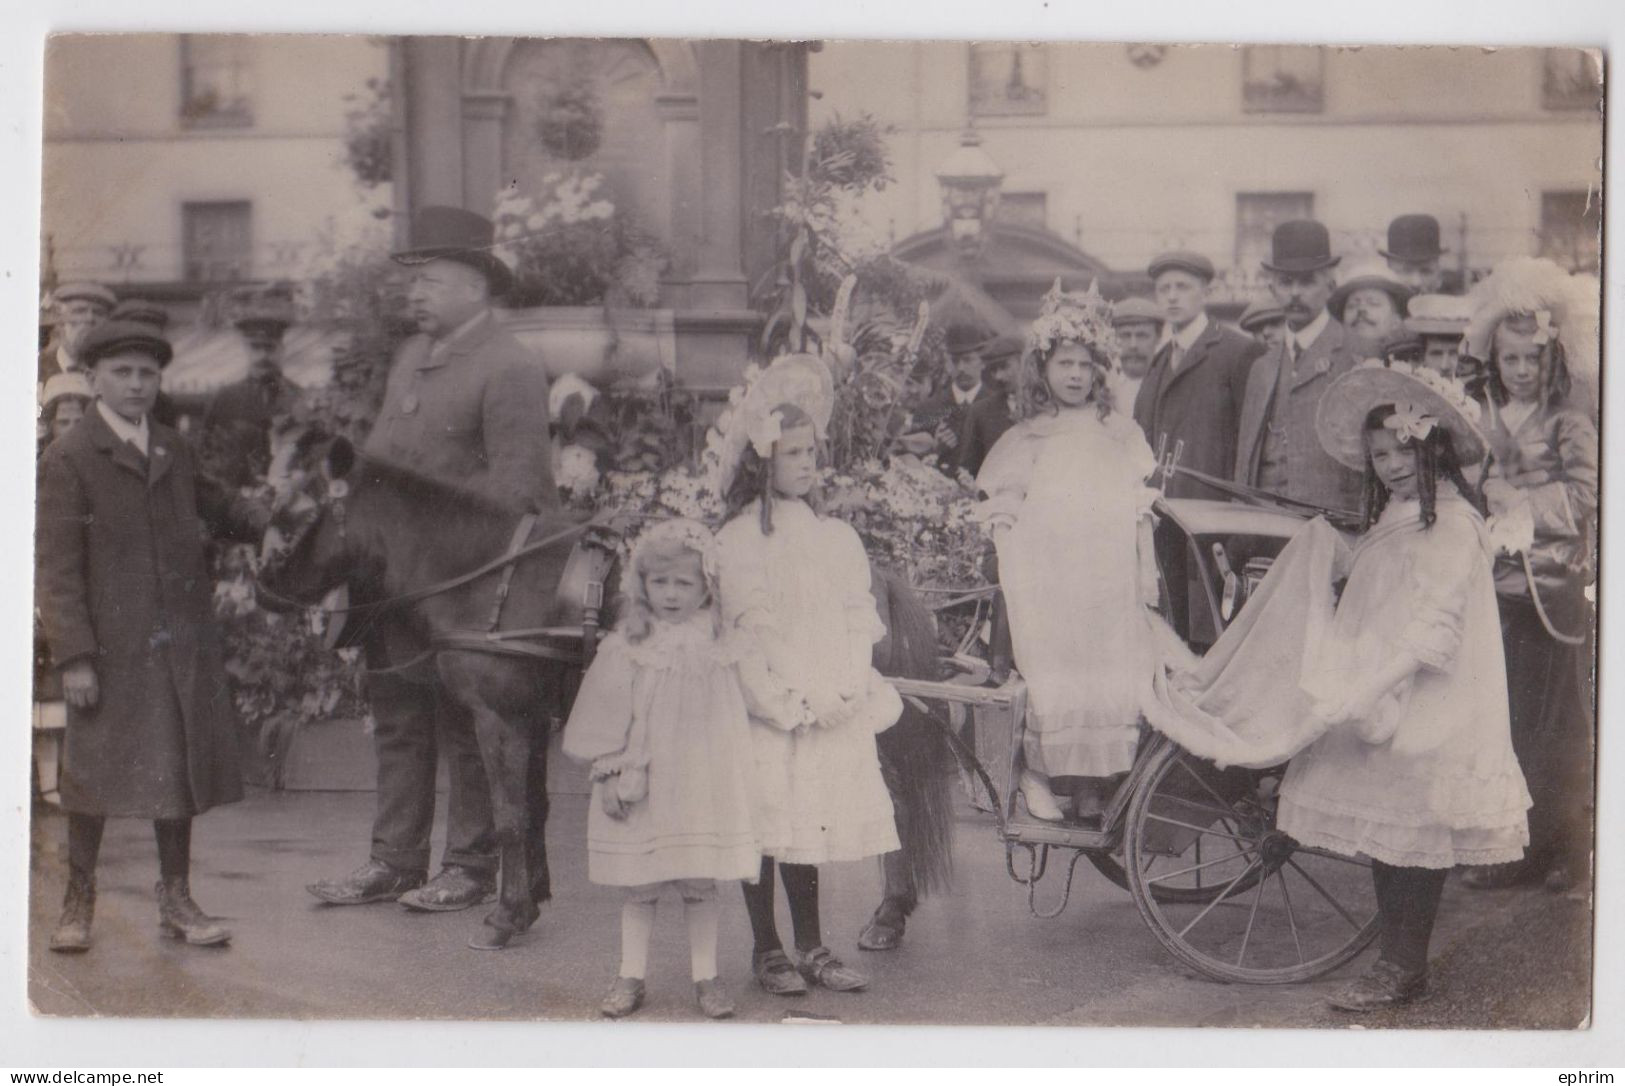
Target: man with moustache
465,404
934,428
989,417
1370,302
1138,323
1414,252
1277,448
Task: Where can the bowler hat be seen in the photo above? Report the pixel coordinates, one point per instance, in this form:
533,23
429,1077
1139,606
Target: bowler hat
111,337
1413,237
142,312
1368,275
1259,314
452,233
1301,245
1182,260
1136,311
85,292
965,338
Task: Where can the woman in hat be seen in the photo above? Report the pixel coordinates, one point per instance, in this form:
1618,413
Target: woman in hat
1415,770
1534,324
1070,515
67,397
794,585
126,602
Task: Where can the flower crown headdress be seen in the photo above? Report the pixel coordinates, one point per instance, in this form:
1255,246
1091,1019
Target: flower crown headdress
1074,317
688,534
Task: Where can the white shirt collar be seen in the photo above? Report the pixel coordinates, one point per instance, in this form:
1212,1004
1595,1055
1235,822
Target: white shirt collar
124,429
1186,337
969,396
1310,332
65,361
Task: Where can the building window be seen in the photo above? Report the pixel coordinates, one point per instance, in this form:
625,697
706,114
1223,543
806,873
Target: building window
1570,226
1283,78
1030,209
1257,216
217,240
1571,79
1008,78
217,80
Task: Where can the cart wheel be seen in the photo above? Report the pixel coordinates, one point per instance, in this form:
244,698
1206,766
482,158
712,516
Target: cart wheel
1108,864
1225,891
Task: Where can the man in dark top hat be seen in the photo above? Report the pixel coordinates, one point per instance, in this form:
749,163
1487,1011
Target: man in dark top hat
236,440
993,414
1413,254
933,429
1277,448
465,404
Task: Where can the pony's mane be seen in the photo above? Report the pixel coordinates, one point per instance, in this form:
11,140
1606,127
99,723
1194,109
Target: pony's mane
432,491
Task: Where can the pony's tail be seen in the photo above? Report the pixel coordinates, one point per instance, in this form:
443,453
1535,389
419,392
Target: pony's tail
915,757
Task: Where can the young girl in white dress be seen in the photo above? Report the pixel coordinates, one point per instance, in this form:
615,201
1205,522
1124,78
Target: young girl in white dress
795,589
661,718
1416,770
1070,513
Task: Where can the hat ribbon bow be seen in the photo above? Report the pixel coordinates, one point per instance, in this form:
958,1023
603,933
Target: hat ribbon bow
1410,423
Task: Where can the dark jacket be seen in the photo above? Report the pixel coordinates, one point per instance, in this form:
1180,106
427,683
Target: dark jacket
1552,459
235,441
940,411
476,416
1199,404
985,422
123,583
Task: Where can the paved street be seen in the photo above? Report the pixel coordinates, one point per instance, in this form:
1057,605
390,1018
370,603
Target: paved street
973,957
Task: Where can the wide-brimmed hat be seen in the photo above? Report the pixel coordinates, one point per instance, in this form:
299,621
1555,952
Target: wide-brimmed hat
1260,313
85,292
1422,398
1414,237
111,337
1181,260
1367,276
803,380
1301,245
142,312
1136,311
453,233
1438,314
1564,306
67,383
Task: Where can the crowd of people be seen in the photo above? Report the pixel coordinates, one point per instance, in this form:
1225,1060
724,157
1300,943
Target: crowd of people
729,721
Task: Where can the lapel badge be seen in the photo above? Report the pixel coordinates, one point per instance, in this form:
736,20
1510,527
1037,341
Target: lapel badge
1323,365
409,406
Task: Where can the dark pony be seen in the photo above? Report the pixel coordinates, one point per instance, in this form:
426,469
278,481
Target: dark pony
1435,459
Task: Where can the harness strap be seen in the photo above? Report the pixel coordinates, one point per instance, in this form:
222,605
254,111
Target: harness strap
520,535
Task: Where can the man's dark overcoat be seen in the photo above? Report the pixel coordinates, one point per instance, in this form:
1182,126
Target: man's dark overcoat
1199,404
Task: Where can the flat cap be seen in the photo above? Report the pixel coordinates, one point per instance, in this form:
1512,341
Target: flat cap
1136,311
1182,260
85,292
1260,313
111,337
143,312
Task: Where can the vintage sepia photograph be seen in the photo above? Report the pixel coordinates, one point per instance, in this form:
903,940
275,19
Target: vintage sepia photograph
972,533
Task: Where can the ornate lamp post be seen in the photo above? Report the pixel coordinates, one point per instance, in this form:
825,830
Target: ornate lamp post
970,194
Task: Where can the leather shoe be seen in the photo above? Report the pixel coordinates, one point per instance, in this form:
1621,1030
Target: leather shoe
1041,802
456,887
1501,876
776,975
625,996
713,998
824,969
372,881
1386,985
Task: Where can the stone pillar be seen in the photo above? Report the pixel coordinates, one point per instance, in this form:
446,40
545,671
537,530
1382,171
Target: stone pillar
434,120
483,114
719,274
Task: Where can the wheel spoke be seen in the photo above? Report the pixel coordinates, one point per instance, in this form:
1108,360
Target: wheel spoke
1321,890
1198,829
1206,787
1243,854
1258,895
1219,812
1292,921
1222,895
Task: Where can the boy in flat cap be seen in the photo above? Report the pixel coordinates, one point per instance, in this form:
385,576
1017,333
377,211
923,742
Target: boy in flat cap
126,602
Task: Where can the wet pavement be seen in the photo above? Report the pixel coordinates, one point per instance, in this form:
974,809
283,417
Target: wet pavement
974,956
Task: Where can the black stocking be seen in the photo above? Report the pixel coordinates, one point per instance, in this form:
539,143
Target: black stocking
174,846
801,890
1408,901
759,905
84,843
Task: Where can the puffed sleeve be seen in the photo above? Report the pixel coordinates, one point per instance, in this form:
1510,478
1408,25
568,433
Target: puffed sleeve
1005,475
62,556
601,721
1562,506
748,612
1444,560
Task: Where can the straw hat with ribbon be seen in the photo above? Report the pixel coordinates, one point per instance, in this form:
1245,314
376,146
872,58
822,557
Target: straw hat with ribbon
802,380
1421,398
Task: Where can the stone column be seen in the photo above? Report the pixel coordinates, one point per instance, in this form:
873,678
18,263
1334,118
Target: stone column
483,114
719,275
432,73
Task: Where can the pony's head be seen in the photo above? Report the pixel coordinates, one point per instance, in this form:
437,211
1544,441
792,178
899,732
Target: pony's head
307,550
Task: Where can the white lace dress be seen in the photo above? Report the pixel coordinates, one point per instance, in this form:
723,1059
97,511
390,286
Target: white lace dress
1077,569
673,701
1446,788
799,602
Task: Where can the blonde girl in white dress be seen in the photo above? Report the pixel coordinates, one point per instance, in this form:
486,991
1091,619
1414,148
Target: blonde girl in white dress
661,719
1070,514
795,590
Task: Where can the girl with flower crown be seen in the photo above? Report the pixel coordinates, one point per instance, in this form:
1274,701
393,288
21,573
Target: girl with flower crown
1070,513
661,719
795,589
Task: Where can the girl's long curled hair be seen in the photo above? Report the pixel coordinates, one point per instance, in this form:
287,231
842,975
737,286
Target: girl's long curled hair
754,479
1435,460
638,617
1555,380
1033,394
